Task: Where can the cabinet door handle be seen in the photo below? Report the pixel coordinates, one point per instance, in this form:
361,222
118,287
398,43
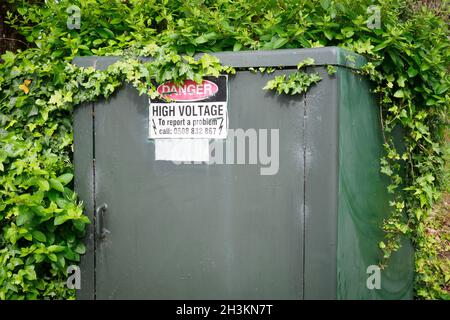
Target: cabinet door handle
100,220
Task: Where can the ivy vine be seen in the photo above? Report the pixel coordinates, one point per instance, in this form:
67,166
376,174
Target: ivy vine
42,218
297,82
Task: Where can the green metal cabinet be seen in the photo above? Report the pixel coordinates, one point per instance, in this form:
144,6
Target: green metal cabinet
211,231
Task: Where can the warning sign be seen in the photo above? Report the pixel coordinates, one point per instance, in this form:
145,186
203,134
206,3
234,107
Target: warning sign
190,110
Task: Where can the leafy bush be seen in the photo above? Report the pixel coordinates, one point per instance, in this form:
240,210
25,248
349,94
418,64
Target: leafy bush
40,217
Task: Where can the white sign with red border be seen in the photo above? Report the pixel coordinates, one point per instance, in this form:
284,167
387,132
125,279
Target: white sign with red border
190,110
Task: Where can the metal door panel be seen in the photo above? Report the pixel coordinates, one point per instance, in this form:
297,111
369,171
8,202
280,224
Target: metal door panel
199,231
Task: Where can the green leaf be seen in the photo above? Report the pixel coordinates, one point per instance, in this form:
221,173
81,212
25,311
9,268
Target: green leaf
237,46
382,45
401,81
57,185
69,254
412,72
278,43
80,248
30,274
79,225
306,62
97,42
22,10
25,216
62,203
43,185
325,4
39,258
61,219
65,179
53,195
441,88
201,39
61,260
38,235
329,34
52,257
105,33
55,248
399,94
57,99
8,57
57,53
386,170
331,70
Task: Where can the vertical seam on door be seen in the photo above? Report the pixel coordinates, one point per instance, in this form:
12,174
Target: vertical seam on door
304,194
338,178
94,200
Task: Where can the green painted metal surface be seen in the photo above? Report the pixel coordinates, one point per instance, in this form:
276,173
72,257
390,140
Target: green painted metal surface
363,200
197,231
224,231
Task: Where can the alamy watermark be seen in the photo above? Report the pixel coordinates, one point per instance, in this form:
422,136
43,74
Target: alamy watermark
373,282
74,18
374,21
250,147
73,277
